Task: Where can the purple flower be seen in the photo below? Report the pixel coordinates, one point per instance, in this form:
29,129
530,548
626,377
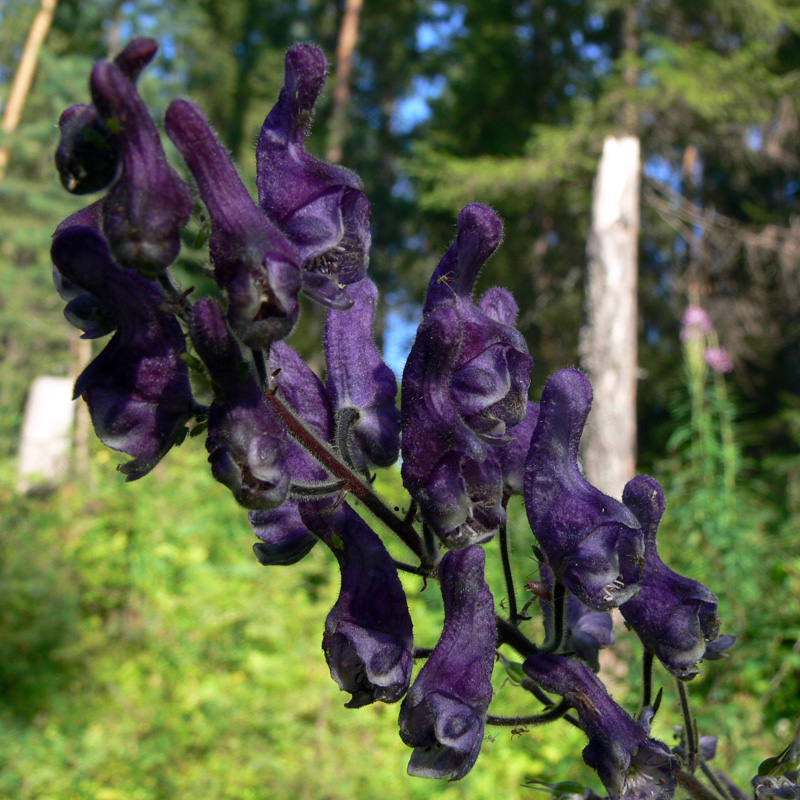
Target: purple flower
718,359
145,210
137,389
253,261
696,324
675,617
443,715
87,157
362,388
465,383
283,534
368,639
246,442
320,207
591,541
630,764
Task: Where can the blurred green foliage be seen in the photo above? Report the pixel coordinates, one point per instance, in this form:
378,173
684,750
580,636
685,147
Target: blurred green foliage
146,654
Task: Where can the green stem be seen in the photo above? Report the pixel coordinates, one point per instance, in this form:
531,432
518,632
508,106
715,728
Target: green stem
693,787
714,781
647,677
554,713
688,726
512,636
509,578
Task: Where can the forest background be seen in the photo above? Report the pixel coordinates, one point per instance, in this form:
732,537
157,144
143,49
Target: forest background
144,653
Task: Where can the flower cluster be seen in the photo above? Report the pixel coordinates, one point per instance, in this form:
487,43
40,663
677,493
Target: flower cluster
297,452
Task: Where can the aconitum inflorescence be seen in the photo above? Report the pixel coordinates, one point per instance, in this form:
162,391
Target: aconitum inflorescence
300,453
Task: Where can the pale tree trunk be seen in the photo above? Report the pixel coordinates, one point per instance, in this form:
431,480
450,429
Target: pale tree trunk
24,76
348,35
609,337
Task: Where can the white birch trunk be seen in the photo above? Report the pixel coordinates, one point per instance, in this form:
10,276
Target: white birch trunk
609,337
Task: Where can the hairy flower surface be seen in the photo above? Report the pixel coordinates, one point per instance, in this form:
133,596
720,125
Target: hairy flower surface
443,715
88,154
675,617
137,388
246,442
592,542
361,386
630,764
254,262
321,207
146,208
368,640
465,382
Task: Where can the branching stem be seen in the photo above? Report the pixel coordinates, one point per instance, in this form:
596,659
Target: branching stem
351,480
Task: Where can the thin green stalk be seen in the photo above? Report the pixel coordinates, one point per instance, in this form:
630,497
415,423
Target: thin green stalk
688,726
554,713
507,574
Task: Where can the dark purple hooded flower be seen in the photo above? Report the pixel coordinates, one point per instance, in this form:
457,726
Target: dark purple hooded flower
145,210
253,261
246,442
443,715
88,154
320,207
591,541
675,617
631,765
361,386
137,389
368,640
465,383
283,534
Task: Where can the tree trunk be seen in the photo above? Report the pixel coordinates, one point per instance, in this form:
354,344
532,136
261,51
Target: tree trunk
348,34
24,76
609,337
